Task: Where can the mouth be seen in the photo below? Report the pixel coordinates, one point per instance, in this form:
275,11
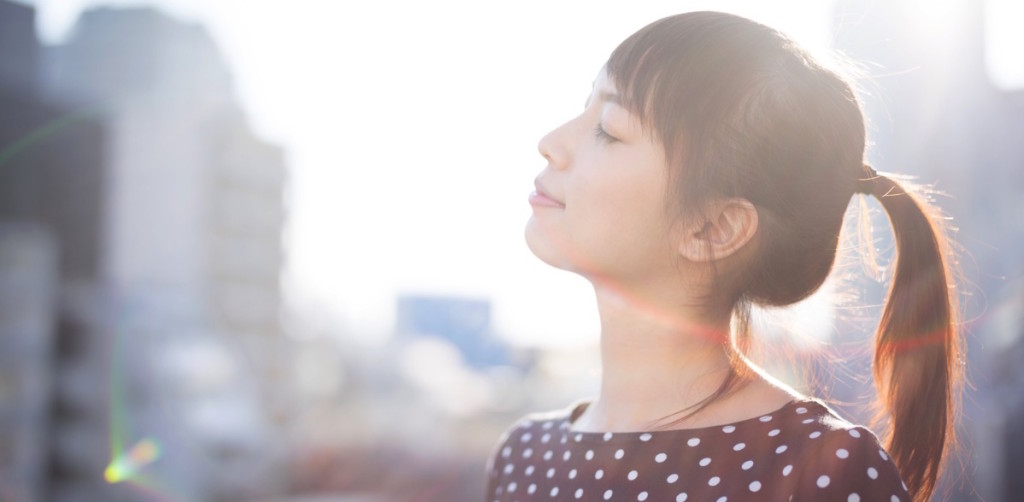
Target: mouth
541,197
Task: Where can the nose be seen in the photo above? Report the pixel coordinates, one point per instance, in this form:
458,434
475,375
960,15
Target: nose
553,148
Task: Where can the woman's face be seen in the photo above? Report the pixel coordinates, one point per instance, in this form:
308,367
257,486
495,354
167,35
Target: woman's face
599,208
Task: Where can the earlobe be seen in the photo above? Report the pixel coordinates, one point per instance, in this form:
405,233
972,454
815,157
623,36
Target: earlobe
727,226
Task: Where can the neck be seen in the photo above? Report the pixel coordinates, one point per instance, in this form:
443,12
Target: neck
657,358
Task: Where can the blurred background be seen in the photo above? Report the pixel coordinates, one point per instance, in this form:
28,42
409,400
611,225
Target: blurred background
273,250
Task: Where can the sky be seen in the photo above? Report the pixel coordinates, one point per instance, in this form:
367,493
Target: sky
411,130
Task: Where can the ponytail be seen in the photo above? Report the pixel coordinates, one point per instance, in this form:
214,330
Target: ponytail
916,362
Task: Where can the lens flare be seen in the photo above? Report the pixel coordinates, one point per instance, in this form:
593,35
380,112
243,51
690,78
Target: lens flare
125,465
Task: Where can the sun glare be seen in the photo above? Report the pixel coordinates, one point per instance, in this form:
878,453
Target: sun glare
1003,40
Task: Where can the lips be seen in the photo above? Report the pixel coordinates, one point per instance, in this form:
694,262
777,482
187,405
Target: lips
541,197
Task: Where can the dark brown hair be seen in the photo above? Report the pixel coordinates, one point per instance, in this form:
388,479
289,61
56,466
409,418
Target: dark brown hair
742,111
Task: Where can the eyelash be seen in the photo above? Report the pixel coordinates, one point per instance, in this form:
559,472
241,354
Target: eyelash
603,135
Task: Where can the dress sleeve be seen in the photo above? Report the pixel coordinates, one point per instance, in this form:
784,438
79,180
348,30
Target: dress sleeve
850,465
494,465
492,475
498,462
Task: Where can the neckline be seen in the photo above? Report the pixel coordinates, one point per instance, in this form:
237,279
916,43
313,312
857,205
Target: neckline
576,409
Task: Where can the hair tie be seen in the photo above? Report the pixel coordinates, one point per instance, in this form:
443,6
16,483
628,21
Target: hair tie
866,184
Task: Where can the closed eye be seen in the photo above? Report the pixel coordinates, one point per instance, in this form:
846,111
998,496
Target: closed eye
603,135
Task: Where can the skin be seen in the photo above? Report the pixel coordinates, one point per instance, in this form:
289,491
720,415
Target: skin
660,350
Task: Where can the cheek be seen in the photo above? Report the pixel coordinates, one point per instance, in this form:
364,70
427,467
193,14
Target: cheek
620,219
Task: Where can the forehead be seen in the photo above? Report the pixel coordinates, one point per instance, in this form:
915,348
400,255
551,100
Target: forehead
603,89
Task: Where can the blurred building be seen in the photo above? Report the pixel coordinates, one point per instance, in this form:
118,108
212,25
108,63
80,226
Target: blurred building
464,322
28,285
125,159
19,49
191,253
51,174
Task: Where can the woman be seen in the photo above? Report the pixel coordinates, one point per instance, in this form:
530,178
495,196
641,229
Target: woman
710,171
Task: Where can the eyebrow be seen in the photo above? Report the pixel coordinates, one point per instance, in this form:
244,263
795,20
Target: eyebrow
606,96
609,97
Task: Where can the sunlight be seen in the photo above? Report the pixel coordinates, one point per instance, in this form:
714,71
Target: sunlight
1003,40
933,18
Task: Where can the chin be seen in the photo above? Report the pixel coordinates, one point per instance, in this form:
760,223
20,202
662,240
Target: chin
540,242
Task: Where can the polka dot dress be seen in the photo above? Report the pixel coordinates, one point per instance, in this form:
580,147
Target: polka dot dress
802,451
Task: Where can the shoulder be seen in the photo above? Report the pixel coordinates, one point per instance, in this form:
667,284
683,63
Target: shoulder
843,461
519,436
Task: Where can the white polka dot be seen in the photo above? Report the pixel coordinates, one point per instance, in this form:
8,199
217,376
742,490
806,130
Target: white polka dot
599,474
512,487
607,494
532,488
509,467
872,473
773,432
572,474
883,455
527,452
564,439
567,455
801,410
554,491
755,486
659,458
506,451
895,499
645,437
681,497
589,455
547,425
578,437
808,420
747,465
526,437
904,486
551,472
842,453
619,453
786,470
607,436
723,498
529,470
642,496
766,418
814,434
545,438
705,461
672,478
714,481
738,446
632,475
853,498
548,455
855,433
823,481
728,429
579,493
781,449
693,442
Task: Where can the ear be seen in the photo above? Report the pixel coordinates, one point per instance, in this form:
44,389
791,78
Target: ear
726,227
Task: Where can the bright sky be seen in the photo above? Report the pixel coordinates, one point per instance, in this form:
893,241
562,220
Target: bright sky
411,130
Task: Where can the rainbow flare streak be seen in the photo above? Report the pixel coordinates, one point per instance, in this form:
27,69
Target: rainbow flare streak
125,465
